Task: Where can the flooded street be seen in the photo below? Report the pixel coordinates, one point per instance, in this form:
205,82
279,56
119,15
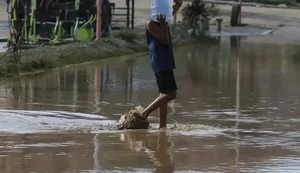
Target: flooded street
240,96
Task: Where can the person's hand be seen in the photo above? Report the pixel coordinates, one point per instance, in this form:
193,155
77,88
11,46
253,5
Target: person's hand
161,18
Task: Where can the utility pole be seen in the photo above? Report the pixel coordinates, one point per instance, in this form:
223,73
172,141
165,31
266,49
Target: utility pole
99,19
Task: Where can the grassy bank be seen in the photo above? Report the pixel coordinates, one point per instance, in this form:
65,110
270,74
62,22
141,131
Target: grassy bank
48,57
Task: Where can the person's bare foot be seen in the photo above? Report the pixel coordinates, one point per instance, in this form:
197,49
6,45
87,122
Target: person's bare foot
145,115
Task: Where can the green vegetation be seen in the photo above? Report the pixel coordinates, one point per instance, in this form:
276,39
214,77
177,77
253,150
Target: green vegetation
212,9
45,57
198,8
195,15
126,35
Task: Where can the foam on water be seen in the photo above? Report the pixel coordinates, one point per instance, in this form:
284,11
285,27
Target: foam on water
278,165
25,121
143,171
190,129
179,129
42,145
53,113
118,171
19,121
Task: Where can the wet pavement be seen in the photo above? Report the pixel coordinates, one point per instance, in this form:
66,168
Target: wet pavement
239,95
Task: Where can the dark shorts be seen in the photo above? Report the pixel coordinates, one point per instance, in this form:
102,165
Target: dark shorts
166,81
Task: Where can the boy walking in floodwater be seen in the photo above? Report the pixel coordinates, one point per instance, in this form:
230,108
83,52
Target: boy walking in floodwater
162,63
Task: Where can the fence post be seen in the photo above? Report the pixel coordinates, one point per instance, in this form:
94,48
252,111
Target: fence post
99,19
240,15
128,13
132,13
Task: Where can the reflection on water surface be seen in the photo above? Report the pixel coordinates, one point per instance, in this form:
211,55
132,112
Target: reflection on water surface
241,97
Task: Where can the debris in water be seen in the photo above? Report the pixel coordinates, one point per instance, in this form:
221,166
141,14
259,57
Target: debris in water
133,120
75,130
190,127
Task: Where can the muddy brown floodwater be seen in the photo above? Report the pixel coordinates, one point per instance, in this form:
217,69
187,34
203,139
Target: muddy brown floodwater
239,97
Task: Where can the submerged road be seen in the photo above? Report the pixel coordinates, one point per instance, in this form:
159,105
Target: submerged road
239,95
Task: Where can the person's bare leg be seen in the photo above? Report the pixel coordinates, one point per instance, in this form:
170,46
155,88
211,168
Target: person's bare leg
158,102
162,114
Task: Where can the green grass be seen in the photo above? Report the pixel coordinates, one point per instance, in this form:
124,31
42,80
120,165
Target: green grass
46,57
127,35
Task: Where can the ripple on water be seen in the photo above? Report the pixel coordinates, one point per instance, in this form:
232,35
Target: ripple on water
143,171
199,130
278,165
119,171
53,113
42,145
19,121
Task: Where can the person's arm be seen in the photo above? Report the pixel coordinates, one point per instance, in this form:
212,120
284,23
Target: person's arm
160,33
176,6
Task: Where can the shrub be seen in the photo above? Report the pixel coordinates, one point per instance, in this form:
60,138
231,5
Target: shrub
192,13
128,35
